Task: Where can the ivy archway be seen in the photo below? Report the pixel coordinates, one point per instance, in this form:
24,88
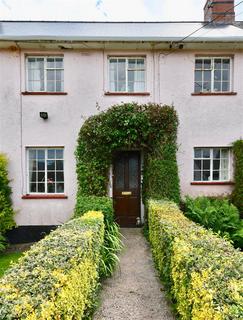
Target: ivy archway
151,128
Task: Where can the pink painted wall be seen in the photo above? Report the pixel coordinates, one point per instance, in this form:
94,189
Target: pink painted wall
204,121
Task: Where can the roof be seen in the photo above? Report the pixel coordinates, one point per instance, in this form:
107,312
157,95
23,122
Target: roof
118,31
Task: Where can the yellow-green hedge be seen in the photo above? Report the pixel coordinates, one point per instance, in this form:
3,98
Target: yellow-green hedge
203,272
57,278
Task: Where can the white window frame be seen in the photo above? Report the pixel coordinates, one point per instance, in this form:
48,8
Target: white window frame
45,57
28,171
127,69
212,58
211,164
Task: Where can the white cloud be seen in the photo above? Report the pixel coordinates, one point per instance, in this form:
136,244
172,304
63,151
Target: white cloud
109,10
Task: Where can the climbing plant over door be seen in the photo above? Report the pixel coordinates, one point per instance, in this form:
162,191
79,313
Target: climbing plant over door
150,128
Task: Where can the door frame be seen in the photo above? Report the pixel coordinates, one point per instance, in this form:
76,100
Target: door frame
110,184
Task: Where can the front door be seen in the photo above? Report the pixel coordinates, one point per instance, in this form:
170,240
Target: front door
126,187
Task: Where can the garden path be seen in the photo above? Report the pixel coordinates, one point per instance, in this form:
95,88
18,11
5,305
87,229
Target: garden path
134,292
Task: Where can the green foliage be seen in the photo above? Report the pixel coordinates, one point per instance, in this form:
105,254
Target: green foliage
203,272
6,211
216,214
94,203
6,259
112,237
150,128
57,278
237,195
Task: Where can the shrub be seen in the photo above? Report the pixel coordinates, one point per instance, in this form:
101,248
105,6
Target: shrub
6,211
94,203
151,128
112,237
216,214
237,195
57,278
203,272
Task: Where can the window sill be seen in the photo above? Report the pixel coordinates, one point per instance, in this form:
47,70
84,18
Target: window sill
44,196
43,93
211,183
214,94
127,94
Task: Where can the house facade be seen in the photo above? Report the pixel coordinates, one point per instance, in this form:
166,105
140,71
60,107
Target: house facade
54,75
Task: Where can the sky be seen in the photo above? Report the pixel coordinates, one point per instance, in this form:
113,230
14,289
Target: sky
106,10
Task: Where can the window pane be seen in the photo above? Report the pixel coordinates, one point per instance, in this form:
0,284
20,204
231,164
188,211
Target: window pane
224,164
59,75
41,165
206,164
198,87
206,153
217,86
51,187
131,63
50,86
59,176
206,175
50,165
197,164
41,176
226,75
206,86
199,63
207,64
51,177
224,153
217,75
216,164
41,154
216,153
32,154
215,175
41,187
226,63
198,75
51,154
59,154
197,175
33,187
32,165
217,64
60,187
224,175
59,62
32,176
59,164
50,74
50,63
197,153
225,86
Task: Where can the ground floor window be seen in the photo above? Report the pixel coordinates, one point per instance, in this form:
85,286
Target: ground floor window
211,164
45,170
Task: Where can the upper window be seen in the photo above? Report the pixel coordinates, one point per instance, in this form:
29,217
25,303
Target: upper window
127,74
211,164
45,170
212,74
45,74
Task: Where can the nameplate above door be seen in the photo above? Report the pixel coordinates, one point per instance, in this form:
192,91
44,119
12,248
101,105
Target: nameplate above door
126,193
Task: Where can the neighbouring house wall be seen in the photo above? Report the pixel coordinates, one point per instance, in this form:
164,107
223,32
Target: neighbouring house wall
204,121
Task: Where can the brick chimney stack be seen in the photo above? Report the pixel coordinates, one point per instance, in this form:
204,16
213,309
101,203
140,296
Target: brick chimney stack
220,10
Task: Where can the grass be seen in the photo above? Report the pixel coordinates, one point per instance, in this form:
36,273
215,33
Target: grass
6,259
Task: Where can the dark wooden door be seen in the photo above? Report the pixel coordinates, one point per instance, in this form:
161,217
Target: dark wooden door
126,188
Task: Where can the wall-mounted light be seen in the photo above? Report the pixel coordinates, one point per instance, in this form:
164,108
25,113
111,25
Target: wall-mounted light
44,115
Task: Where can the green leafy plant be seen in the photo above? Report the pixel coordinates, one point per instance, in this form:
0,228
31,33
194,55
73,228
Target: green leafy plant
237,194
217,214
112,237
150,128
202,271
6,210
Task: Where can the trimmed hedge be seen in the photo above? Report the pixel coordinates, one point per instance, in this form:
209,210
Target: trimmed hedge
57,278
6,210
203,272
237,195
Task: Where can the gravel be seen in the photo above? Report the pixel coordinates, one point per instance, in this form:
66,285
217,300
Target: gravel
135,291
